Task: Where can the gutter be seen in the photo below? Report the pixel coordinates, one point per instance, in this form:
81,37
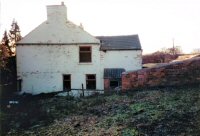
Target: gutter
54,43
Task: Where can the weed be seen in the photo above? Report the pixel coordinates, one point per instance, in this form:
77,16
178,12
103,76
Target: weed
130,132
164,111
138,107
118,119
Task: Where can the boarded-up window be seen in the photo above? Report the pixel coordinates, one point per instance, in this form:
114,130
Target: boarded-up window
90,81
85,54
66,82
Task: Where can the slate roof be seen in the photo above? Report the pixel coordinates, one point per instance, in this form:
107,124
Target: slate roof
113,73
125,42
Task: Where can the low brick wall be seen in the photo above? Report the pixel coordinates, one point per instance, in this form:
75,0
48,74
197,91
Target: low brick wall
172,74
106,84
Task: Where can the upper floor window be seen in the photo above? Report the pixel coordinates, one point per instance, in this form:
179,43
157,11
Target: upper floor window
85,54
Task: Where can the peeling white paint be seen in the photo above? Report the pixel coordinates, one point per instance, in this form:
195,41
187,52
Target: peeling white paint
127,59
45,70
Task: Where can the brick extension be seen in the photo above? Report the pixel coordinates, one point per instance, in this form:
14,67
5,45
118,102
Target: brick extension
172,74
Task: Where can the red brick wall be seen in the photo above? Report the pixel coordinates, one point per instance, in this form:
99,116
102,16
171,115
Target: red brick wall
106,84
172,74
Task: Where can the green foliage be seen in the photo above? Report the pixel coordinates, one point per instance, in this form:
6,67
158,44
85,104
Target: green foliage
138,107
95,101
149,112
146,110
130,132
113,98
114,120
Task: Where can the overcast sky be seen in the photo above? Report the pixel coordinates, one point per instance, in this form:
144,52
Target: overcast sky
156,22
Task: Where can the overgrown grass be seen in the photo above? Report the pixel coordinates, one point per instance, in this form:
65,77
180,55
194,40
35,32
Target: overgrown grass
166,111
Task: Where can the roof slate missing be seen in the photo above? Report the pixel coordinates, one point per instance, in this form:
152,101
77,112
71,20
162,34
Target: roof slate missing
113,73
126,42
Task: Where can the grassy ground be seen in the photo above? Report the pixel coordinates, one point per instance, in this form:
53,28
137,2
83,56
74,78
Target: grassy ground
167,111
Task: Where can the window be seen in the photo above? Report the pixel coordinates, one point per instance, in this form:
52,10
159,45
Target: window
19,85
85,54
66,82
90,81
114,84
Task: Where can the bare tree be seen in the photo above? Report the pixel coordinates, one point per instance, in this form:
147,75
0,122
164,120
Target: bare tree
8,43
173,51
5,45
196,51
14,35
5,50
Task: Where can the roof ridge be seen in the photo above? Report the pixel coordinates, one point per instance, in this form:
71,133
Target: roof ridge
117,35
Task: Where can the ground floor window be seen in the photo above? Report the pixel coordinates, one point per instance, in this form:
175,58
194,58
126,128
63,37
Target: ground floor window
90,81
114,84
66,82
112,77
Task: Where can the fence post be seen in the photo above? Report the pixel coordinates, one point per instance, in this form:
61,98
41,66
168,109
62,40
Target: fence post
83,90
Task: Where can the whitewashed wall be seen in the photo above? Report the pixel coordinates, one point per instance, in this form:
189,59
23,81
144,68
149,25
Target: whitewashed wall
41,67
129,59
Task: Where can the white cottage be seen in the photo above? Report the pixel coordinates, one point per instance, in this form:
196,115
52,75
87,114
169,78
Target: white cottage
59,55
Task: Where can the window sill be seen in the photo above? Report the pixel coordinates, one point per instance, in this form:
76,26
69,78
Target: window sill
85,63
